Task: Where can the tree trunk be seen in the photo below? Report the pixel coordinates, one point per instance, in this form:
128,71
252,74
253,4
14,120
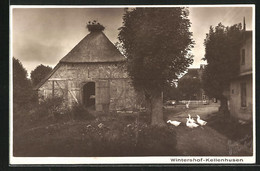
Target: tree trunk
224,106
157,110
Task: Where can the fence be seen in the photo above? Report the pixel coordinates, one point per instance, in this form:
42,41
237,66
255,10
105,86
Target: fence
194,102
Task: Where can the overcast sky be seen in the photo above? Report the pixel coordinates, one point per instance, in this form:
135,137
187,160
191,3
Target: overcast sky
45,35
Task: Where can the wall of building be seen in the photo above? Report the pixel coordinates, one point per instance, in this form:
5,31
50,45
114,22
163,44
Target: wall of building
236,110
112,85
248,56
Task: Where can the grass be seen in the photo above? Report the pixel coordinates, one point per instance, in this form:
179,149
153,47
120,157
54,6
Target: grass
231,128
105,135
82,135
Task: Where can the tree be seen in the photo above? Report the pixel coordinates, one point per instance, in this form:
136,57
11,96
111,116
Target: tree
188,87
222,54
171,92
21,84
39,73
156,43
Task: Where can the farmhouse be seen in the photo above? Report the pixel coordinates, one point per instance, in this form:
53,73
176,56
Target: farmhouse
241,86
93,74
196,73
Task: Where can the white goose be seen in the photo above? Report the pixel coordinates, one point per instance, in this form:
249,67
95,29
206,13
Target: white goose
200,121
187,104
191,124
191,119
175,123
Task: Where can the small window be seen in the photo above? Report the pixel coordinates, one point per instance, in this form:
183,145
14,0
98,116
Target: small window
243,94
243,57
232,91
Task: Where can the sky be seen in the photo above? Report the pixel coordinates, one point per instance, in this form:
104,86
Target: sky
46,35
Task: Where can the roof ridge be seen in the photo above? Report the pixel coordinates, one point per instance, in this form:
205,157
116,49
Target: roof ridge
94,47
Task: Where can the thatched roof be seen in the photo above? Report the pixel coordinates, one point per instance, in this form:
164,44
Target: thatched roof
95,47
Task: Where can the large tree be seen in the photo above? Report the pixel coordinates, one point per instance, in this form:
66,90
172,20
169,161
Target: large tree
157,42
21,84
222,46
39,73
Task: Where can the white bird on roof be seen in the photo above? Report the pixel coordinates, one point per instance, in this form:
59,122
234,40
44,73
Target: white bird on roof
191,124
175,123
191,119
200,121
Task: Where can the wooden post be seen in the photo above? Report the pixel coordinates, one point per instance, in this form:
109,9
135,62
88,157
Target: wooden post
66,90
52,89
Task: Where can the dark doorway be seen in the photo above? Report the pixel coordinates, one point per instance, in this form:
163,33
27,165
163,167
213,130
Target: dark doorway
89,94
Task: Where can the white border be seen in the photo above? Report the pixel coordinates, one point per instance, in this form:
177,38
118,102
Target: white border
125,160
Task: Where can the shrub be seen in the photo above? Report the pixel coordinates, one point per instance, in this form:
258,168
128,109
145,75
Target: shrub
127,139
51,107
153,140
79,112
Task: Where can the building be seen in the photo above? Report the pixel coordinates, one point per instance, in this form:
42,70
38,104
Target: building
240,104
195,73
92,74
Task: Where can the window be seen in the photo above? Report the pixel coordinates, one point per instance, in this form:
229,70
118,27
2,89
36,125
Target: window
243,57
232,91
243,94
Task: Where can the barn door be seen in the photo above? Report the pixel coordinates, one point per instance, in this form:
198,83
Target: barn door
103,95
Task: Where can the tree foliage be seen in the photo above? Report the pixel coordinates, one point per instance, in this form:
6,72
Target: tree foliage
171,92
188,87
39,73
21,84
222,46
156,43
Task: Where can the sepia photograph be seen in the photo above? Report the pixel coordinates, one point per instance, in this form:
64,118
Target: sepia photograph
132,84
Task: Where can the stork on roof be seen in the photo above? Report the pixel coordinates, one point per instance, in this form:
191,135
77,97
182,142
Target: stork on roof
95,47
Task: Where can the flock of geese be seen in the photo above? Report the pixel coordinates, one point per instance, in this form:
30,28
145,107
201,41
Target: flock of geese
191,123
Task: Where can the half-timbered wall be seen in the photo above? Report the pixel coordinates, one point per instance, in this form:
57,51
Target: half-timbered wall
112,85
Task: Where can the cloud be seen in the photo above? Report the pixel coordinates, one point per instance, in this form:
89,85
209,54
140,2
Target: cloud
35,51
44,35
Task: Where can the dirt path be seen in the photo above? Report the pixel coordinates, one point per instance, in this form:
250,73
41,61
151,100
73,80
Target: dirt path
201,141
204,111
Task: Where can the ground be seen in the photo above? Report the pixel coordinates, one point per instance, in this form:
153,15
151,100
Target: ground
219,137
110,135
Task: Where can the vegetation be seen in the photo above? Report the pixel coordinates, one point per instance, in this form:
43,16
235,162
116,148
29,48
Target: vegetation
171,92
156,42
107,135
222,54
39,73
21,84
188,87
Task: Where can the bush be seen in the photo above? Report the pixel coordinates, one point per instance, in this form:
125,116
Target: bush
79,112
121,139
51,107
156,141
